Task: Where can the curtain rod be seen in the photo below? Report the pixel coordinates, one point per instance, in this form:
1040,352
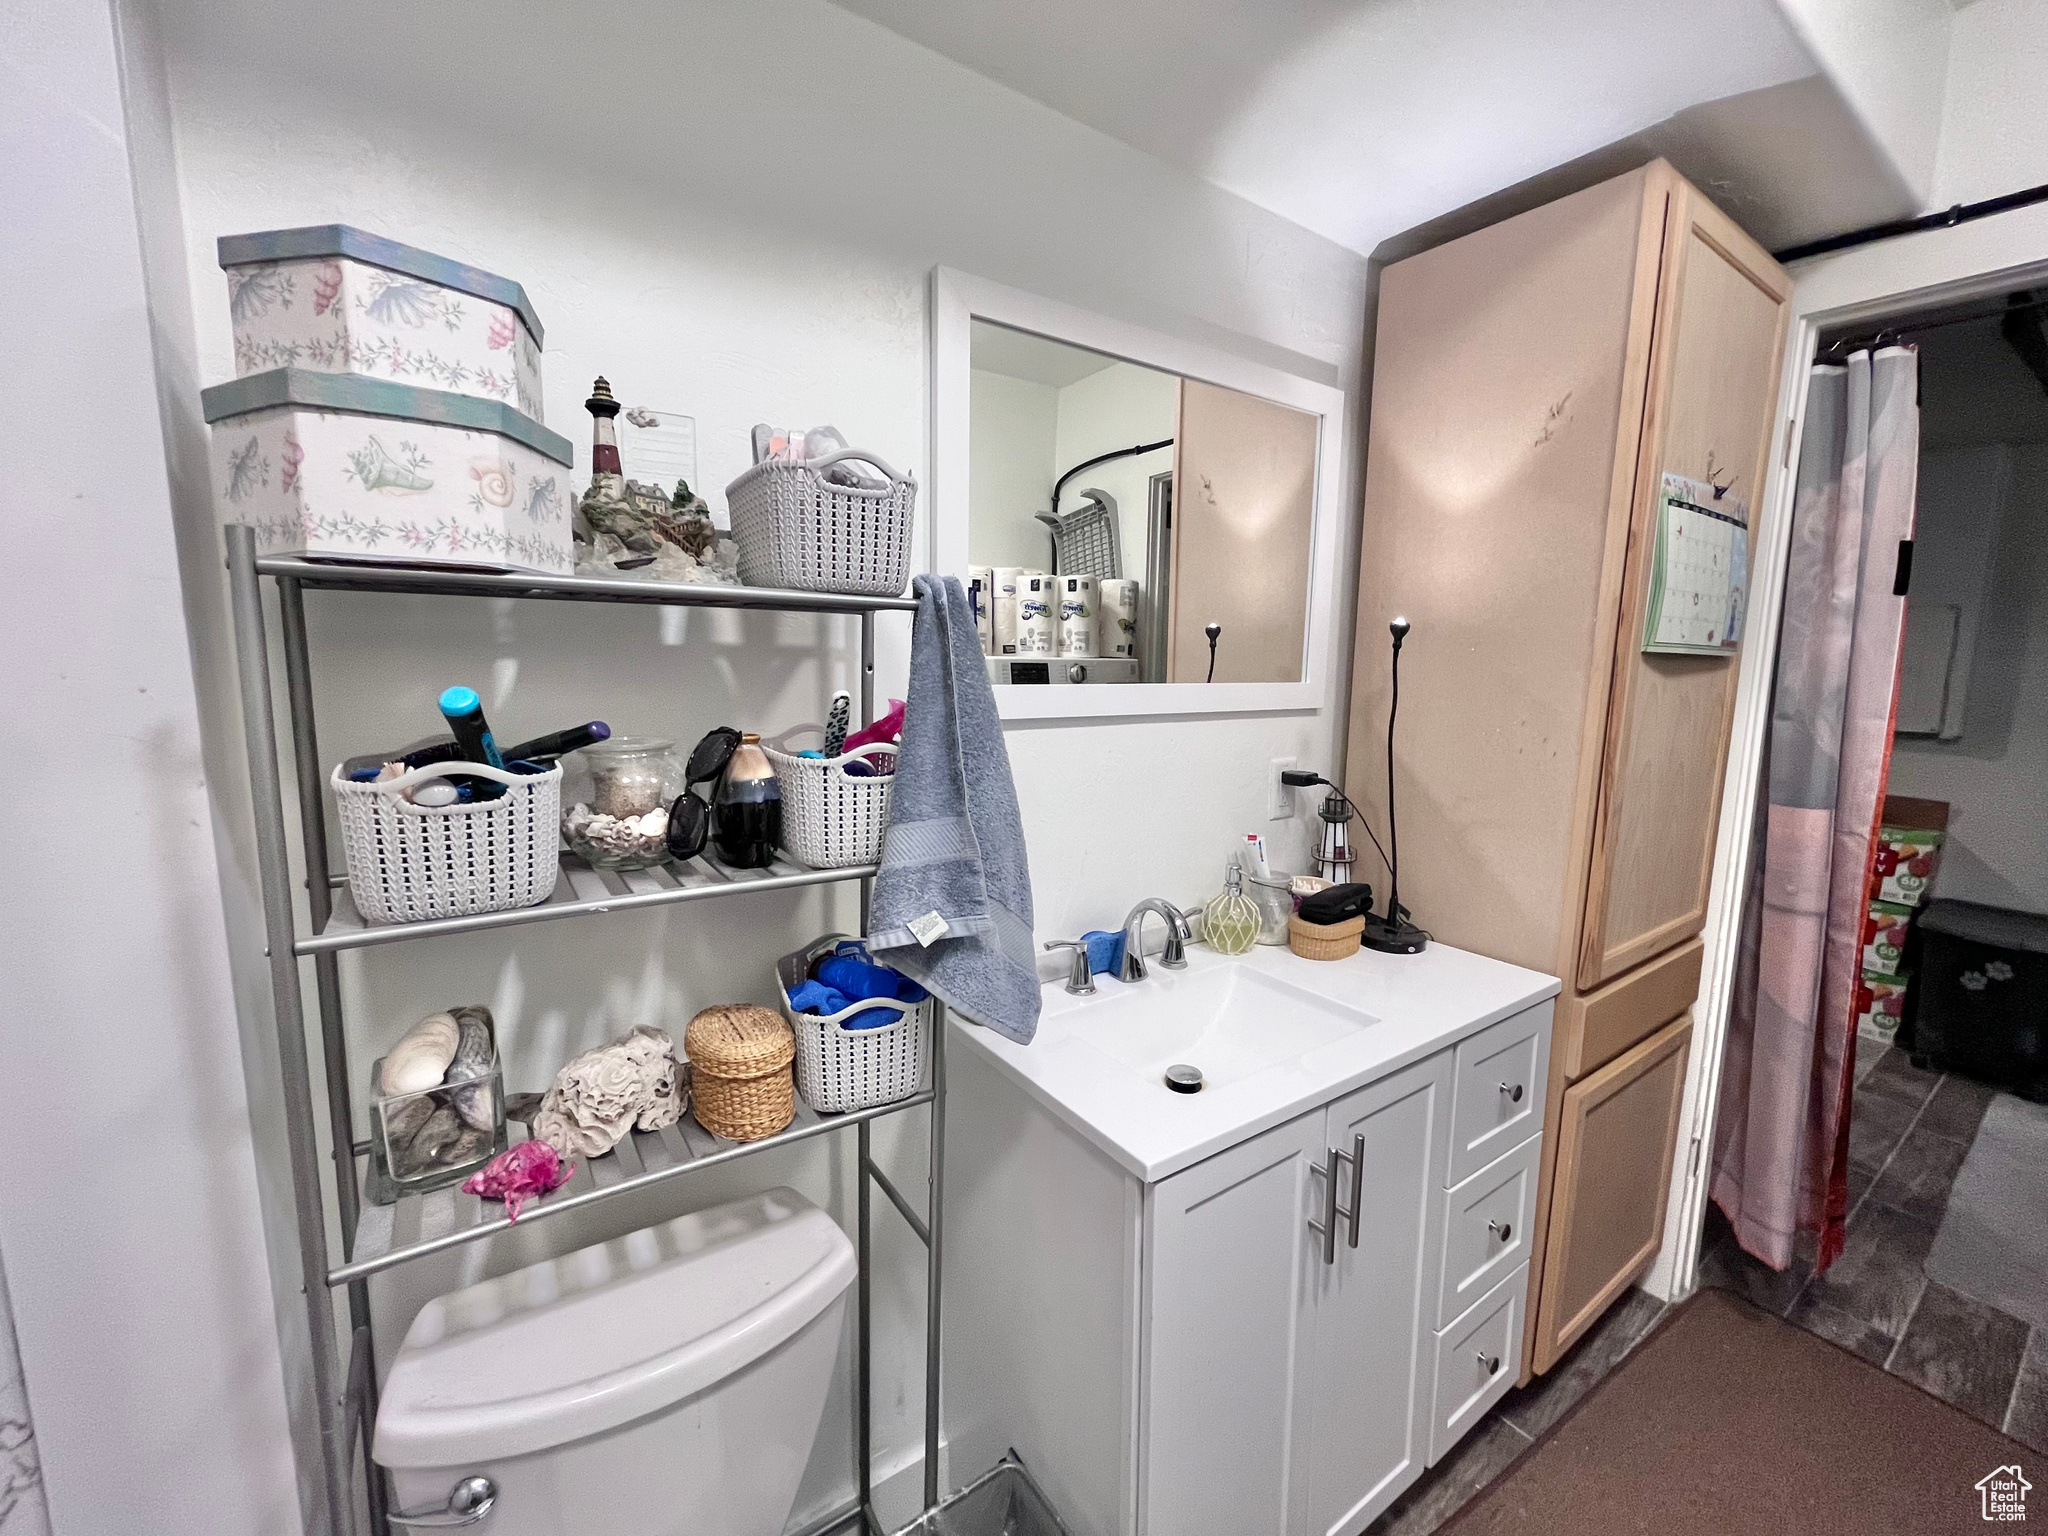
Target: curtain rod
1961,213
1912,328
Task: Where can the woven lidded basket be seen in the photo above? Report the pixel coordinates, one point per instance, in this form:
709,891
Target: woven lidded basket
1324,941
740,1083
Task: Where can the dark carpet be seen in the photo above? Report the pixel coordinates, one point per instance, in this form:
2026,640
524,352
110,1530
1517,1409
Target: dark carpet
1728,1421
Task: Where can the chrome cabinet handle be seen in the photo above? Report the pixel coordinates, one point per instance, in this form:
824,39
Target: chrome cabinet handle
469,1501
1327,1227
1514,1093
1489,1363
1503,1230
1357,1156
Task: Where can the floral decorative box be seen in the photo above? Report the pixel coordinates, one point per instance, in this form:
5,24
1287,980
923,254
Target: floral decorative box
336,466
340,300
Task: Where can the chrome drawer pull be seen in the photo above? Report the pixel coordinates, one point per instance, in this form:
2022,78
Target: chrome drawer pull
468,1502
1357,1156
1503,1230
1489,1363
1514,1093
1327,1227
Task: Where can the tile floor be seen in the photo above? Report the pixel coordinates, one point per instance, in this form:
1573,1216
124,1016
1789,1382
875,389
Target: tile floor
1908,1134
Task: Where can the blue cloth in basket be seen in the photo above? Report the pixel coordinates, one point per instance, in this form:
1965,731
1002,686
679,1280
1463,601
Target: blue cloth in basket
848,976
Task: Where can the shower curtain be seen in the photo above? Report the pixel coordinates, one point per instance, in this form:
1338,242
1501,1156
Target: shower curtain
1782,1139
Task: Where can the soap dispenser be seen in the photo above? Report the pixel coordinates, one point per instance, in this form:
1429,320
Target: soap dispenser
1230,922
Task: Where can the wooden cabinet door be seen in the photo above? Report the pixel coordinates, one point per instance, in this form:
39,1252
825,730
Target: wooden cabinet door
1229,1273
1368,1374
1615,1133
1720,331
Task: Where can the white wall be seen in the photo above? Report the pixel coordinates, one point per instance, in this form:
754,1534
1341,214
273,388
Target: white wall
1889,60
128,1210
631,167
1994,133
1012,426
1120,407
1995,777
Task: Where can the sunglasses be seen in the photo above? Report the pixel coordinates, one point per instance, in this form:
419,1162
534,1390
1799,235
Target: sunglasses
689,819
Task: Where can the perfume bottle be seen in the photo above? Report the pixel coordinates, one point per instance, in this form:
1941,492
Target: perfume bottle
1230,922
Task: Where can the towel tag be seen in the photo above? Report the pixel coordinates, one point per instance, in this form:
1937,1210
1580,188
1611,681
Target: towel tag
927,929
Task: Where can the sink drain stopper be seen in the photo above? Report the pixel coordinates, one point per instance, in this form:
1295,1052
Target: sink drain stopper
1184,1079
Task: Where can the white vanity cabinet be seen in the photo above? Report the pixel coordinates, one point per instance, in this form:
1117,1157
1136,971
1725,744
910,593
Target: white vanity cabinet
1276,1339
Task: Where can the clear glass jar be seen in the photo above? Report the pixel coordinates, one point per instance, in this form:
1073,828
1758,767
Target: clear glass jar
1275,900
615,800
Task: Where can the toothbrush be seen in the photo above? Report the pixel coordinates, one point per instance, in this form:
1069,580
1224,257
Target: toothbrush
836,722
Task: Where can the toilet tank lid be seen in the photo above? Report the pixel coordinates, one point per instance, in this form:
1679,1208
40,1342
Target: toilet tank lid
597,1338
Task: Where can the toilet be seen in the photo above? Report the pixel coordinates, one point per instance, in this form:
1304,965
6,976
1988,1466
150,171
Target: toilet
669,1381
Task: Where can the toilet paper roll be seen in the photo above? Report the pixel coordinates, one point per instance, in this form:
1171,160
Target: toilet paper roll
1037,626
1077,595
1116,608
981,591
1003,611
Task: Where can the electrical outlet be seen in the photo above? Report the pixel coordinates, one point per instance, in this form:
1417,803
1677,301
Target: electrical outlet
1279,798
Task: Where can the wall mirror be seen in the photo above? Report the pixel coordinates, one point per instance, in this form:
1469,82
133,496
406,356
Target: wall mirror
1147,524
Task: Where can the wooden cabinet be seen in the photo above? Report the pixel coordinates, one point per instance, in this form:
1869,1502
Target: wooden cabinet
1559,787
1211,1354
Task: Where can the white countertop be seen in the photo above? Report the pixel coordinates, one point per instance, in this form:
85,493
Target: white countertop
1419,1004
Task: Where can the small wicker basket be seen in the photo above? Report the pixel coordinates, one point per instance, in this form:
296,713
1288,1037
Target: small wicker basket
739,1071
1324,941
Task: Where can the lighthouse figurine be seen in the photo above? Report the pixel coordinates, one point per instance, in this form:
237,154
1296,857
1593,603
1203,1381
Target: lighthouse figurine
604,442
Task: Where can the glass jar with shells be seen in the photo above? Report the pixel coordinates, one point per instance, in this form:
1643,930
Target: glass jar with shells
615,798
437,1105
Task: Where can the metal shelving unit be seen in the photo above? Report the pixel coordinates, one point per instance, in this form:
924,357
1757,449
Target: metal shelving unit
381,1237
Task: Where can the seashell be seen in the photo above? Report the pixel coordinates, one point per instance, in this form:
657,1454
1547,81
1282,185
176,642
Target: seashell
473,1054
421,1057
404,1117
428,1148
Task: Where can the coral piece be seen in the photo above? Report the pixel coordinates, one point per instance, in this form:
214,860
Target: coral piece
421,1057
603,1094
518,1174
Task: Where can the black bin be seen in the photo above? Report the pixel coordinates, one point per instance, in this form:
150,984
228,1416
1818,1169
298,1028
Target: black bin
1980,995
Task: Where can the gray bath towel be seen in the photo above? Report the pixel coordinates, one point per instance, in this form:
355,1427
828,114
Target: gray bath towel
952,904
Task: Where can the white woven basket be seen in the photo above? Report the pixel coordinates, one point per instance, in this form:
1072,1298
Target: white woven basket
831,820
840,1069
410,862
797,530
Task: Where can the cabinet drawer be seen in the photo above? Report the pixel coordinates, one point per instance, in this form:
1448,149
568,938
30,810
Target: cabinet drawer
1486,1228
1594,1029
1497,1087
1476,1362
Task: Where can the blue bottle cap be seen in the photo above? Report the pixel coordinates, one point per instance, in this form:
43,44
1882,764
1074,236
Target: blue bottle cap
460,701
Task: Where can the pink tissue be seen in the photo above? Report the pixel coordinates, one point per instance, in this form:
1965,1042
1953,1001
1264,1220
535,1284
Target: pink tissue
519,1173
887,729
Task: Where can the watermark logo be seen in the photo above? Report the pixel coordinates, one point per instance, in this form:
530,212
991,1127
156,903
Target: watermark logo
2004,1491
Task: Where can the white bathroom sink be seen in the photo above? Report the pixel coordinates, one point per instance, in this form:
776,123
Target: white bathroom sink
1229,1020
1273,1035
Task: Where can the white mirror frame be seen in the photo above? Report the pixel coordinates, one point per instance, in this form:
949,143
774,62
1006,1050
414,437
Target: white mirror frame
958,300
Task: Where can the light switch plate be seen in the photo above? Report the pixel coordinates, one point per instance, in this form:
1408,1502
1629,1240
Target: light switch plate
1279,798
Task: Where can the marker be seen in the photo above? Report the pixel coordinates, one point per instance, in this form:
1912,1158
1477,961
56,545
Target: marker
557,743
464,712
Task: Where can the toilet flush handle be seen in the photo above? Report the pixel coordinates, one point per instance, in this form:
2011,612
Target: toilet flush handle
468,1502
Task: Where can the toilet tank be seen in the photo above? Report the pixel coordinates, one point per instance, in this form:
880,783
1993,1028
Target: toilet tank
668,1381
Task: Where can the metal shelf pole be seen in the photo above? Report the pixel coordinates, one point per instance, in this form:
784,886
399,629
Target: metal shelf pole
291,603
935,1248
259,724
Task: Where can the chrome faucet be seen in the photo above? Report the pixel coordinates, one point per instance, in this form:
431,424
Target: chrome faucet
1173,957
1080,975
